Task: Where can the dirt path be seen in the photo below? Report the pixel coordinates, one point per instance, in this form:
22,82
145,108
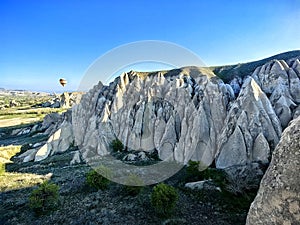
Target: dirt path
16,121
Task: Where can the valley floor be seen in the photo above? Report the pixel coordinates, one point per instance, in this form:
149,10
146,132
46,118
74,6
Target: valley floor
81,204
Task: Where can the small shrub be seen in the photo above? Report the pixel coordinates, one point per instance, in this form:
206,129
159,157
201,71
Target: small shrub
117,145
154,155
196,171
98,178
192,171
45,198
133,185
218,176
163,199
243,183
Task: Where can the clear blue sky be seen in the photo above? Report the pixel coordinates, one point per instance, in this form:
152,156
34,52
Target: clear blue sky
40,41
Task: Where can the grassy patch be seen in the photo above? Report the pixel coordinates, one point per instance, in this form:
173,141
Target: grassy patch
12,181
9,151
24,101
15,116
13,112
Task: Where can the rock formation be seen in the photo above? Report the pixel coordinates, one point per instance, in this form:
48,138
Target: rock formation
178,115
58,142
188,114
278,198
251,127
64,100
280,81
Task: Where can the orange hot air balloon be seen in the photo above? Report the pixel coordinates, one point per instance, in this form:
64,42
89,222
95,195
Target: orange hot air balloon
63,81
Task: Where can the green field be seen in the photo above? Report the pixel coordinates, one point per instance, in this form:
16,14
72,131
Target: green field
28,109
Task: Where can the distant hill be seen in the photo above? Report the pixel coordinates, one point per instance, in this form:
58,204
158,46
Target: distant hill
5,92
244,69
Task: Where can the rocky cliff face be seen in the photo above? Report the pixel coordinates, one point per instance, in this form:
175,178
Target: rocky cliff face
278,198
251,128
280,81
191,114
178,115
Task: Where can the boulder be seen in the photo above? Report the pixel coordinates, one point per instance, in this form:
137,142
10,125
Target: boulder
243,178
278,198
130,157
202,185
142,156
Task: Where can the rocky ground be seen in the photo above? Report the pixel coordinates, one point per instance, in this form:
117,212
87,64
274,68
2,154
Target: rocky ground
81,204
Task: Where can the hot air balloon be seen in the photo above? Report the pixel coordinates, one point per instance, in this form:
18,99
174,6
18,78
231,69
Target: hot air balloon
63,81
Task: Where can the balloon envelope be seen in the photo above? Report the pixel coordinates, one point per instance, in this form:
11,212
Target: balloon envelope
62,81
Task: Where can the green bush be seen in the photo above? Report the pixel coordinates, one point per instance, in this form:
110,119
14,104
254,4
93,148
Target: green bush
45,198
195,171
192,171
98,178
163,199
133,185
218,176
117,145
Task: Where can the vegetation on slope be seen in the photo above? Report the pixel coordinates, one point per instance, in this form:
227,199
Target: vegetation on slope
226,73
